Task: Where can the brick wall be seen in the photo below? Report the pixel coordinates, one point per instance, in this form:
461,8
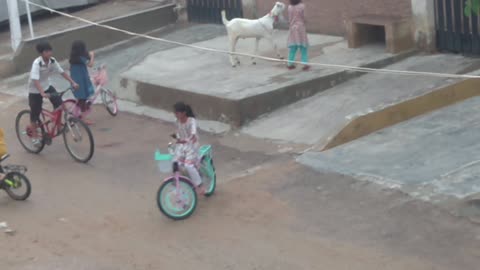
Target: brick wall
328,16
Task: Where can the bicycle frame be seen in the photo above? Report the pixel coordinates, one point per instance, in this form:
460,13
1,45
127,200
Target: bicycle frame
206,157
54,117
99,79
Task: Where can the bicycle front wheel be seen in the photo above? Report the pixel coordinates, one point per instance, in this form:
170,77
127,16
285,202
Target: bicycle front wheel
177,203
78,140
25,133
110,101
17,186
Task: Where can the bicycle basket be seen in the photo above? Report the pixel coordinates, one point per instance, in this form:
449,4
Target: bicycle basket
164,162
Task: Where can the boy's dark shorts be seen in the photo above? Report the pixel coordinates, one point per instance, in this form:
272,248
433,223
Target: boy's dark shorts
36,102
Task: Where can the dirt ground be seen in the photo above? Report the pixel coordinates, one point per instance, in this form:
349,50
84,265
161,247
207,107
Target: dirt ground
268,212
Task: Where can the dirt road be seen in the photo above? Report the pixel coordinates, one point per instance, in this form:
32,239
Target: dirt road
269,212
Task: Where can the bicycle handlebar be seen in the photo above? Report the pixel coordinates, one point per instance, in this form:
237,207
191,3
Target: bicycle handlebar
60,94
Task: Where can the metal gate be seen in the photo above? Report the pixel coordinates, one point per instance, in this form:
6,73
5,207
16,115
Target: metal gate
456,32
208,11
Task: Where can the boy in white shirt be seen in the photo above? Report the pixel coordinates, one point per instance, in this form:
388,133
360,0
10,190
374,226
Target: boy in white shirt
39,84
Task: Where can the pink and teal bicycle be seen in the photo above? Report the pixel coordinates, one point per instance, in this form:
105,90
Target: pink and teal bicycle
176,197
109,99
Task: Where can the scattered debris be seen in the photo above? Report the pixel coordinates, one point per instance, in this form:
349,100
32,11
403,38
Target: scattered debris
4,225
62,219
9,231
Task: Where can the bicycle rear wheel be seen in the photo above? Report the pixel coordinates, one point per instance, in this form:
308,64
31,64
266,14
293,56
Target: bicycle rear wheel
78,140
17,186
25,133
177,204
209,177
109,100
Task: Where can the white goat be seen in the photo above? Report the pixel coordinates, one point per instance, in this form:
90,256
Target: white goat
258,29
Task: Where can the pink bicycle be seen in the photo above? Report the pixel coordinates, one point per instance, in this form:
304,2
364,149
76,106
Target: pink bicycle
109,99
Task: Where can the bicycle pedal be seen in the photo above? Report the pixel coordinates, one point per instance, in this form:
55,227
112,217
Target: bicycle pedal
47,141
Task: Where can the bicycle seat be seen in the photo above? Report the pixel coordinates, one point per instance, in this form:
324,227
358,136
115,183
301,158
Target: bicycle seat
4,157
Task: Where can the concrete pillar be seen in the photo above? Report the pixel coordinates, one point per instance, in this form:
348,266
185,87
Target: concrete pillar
250,9
14,20
181,10
424,24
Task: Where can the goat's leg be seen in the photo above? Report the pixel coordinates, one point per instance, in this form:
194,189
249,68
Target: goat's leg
233,58
232,50
257,41
275,47
235,46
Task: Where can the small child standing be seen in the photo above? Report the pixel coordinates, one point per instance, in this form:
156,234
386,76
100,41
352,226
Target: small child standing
297,38
80,60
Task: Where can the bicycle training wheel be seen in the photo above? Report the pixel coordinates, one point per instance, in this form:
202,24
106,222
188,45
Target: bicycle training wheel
209,177
25,133
110,101
17,186
78,140
177,203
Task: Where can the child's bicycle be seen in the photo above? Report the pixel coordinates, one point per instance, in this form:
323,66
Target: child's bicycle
109,99
53,124
176,197
15,183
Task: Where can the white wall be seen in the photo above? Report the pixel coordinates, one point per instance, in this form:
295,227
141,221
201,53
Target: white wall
424,23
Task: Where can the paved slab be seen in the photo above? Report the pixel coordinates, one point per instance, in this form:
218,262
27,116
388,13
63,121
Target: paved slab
241,94
430,157
318,119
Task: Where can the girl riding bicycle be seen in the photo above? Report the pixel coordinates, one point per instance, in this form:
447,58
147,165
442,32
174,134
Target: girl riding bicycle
187,150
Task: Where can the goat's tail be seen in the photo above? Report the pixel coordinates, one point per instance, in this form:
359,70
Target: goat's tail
224,17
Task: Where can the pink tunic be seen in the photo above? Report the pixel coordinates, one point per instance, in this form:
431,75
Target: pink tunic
187,153
298,31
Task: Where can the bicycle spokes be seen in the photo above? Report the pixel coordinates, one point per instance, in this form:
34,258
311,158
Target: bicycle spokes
75,132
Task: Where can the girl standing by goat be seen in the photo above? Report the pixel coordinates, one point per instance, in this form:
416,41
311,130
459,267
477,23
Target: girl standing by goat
297,38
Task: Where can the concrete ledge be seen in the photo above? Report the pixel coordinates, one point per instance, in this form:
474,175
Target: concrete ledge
238,112
404,111
237,96
397,32
96,37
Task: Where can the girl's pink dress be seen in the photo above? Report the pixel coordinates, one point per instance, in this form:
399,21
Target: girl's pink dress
298,30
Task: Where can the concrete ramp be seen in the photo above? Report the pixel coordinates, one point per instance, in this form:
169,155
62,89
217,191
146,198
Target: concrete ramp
429,157
368,103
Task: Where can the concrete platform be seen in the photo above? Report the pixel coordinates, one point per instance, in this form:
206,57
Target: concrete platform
369,103
432,157
238,95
